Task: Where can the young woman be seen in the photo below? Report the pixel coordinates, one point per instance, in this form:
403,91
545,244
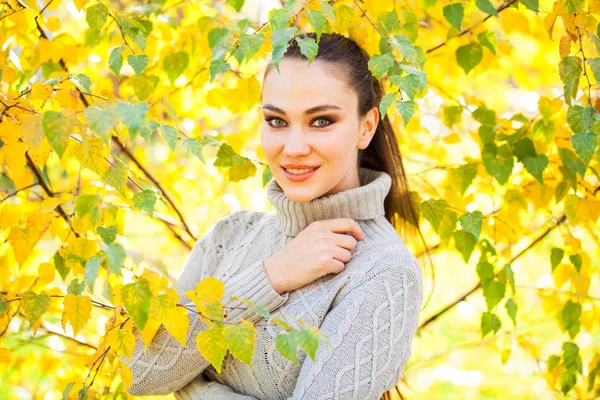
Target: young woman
329,255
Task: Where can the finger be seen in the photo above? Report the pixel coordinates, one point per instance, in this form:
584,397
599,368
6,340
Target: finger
342,225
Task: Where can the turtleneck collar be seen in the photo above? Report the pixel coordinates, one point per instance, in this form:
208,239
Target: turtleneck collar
363,202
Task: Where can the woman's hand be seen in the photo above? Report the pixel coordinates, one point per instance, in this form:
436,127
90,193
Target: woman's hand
321,248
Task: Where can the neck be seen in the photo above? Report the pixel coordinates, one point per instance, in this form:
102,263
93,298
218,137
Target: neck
360,203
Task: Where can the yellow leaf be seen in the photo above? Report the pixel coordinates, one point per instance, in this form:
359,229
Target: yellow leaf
564,47
40,92
178,323
23,241
122,341
150,329
53,24
46,271
126,375
4,355
90,153
589,319
211,344
34,305
77,311
562,274
549,21
14,155
209,290
37,144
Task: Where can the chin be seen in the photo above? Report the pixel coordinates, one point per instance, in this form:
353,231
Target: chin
301,197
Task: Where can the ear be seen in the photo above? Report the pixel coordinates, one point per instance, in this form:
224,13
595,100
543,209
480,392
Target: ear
368,126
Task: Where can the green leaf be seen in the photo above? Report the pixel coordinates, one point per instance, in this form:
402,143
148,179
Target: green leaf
280,40
85,202
454,14
144,85
531,4
472,222
285,344
3,307
580,119
524,148
556,256
237,4
250,44
493,292
34,305
379,64
279,18
511,310
117,177
107,233
59,264
569,69
194,147
115,254
485,271
145,201
227,157
175,63
96,16
76,287
317,21
137,299
385,103
487,7
82,81
572,6
402,43
489,322
406,109
465,243
536,166
169,134
499,164
488,39
594,64
57,128
92,266
241,339
218,67
138,63
468,56
485,116
570,318
452,115
571,161
410,84
102,121
584,145
132,115
267,175
434,211
308,48
462,177
576,261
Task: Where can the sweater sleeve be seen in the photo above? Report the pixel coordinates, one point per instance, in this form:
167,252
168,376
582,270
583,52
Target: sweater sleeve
167,366
370,330
205,389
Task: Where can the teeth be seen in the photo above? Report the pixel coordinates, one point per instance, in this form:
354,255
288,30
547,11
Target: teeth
299,171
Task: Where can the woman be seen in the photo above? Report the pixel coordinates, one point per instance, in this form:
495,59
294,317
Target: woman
329,255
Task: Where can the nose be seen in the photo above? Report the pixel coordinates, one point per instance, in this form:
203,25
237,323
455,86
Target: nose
296,143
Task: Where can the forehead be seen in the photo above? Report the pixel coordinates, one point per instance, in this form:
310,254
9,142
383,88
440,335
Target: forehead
299,87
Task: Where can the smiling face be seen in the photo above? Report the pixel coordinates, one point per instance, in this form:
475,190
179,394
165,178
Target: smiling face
311,119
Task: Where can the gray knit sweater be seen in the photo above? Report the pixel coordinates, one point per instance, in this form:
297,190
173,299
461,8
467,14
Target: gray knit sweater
369,311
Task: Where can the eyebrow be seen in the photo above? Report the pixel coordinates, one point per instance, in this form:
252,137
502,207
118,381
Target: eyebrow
312,110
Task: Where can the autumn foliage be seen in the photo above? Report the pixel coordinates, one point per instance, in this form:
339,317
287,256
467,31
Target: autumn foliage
128,128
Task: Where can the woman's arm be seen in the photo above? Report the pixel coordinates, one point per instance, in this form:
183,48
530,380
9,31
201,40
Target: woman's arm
167,366
370,331
202,388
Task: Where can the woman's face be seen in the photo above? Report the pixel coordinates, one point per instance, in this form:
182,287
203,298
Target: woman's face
311,118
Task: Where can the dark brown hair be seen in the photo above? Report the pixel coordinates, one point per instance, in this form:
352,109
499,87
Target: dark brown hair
339,53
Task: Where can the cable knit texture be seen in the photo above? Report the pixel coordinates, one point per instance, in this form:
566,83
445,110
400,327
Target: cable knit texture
369,311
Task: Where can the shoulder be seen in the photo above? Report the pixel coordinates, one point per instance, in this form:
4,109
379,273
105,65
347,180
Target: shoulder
236,224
